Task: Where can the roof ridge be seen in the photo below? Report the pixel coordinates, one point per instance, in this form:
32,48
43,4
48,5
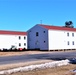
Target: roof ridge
57,27
48,25
12,32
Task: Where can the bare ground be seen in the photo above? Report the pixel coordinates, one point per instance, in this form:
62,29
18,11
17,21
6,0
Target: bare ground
63,70
21,53
11,66
12,53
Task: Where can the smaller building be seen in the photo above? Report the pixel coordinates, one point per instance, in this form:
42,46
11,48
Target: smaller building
12,40
46,37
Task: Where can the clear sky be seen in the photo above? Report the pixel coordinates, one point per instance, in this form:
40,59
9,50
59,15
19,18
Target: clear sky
20,15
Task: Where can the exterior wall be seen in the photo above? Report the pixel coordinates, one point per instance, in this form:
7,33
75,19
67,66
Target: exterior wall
50,39
22,41
40,41
70,39
59,40
6,41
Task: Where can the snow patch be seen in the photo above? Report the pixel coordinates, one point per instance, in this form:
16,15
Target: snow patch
34,67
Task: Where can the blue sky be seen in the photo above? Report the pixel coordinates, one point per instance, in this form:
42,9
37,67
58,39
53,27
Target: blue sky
20,15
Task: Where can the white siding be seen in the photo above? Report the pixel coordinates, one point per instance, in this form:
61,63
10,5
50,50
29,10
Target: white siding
59,40
51,39
56,39
21,41
40,41
70,38
6,41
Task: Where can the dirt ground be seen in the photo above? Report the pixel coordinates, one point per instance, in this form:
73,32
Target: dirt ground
10,66
63,70
12,53
21,53
15,65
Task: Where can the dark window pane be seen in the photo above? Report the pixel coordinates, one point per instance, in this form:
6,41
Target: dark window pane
19,37
37,34
67,34
68,42
44,31
73,43
24,44
24,37
19,44
44,41
72,34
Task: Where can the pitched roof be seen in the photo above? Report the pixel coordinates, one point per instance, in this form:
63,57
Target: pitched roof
12,32
57,27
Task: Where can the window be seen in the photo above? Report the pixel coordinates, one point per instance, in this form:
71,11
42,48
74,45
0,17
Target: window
73,43
44,31
19,44
73,34
19,37
24,37
67,34
37,34
68,43
24,44
44,41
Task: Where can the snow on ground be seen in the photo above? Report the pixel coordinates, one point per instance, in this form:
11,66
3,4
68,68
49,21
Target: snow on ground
34,67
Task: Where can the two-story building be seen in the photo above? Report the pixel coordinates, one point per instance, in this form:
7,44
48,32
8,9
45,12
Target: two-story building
47,37
12,40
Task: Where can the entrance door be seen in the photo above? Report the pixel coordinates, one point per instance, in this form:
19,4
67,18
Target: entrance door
37,45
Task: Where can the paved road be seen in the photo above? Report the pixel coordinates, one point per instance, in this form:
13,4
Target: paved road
34,57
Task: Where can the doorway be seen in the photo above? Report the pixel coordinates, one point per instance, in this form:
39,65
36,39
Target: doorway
37,45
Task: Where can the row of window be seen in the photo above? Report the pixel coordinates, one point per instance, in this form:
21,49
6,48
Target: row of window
20,37
72,34
37,33
43,31
68,43
20,44
38,42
